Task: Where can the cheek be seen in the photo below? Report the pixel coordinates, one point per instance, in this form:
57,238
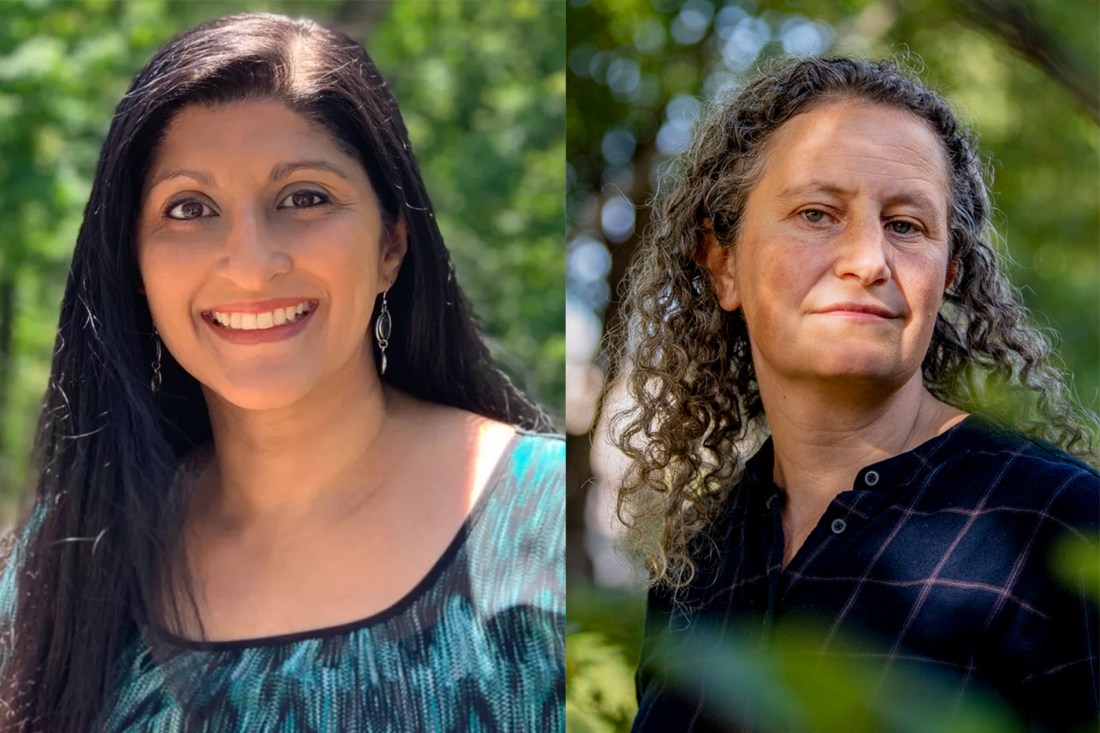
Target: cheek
168,279
781,282
768,302
351,241
925,286
346,262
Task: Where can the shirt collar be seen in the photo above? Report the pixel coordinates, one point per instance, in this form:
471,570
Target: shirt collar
899,470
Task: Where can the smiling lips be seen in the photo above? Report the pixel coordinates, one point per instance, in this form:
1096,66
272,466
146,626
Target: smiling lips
259,315
258,322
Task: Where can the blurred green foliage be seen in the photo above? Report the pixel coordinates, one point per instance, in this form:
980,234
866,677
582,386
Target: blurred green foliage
599,684
603,638
789,686
485,108
481,86
1076,562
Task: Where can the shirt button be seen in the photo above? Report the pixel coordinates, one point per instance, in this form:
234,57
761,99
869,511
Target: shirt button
839,525
870,478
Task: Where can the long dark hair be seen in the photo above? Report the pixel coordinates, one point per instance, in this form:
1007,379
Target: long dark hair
102,543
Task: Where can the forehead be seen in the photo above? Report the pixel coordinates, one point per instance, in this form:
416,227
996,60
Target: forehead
239,136
856,144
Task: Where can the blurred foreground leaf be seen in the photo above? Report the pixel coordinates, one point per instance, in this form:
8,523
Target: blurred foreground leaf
790,685
1076,562
599,685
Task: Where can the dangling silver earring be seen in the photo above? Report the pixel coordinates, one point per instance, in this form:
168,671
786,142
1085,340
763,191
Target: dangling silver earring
383,325
156,381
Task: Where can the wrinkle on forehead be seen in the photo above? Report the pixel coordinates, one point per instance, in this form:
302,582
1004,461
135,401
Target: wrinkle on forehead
842,142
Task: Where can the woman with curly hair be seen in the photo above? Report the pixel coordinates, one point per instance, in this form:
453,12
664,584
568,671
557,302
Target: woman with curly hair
281,484
820,274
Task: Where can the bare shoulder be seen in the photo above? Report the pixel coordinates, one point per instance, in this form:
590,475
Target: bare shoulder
486,441
452,440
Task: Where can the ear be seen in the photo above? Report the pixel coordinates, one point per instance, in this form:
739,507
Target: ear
952,270
395,244
719,260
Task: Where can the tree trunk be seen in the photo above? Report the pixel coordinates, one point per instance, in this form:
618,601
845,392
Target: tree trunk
578,477
7,316
1016,24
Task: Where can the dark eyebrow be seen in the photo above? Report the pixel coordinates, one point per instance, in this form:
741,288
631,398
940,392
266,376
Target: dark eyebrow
199,176
280,170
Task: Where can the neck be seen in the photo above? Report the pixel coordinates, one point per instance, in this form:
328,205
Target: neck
822,437
277,467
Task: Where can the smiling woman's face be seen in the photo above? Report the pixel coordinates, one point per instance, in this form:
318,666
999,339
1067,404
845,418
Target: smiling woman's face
262,251
842,260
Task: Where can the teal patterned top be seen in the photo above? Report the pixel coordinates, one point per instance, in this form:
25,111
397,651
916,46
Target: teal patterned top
477,645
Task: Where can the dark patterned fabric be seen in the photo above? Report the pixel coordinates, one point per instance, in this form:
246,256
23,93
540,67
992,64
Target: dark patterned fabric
478,645
940,558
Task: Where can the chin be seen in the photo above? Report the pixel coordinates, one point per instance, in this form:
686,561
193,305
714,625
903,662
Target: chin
263,394
865,368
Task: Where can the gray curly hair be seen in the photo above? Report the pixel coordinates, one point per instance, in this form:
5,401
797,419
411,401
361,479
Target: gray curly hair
686,363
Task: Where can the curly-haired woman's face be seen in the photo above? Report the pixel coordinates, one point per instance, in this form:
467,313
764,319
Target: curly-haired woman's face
842,259
262,251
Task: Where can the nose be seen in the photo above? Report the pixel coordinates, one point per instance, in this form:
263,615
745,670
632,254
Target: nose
252,256
863,252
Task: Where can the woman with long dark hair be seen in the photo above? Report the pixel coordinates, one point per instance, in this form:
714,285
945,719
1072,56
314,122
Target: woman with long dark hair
281,484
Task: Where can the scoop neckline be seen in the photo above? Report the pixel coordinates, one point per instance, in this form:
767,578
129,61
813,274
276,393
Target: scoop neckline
401,604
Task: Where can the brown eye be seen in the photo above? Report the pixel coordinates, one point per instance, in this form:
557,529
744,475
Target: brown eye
303,200
187,210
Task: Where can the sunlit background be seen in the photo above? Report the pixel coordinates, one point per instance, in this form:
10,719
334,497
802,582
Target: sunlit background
1024,75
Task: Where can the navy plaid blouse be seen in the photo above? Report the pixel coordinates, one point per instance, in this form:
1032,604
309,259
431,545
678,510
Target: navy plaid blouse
940,557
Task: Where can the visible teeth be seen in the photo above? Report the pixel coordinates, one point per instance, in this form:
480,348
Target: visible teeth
260,321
